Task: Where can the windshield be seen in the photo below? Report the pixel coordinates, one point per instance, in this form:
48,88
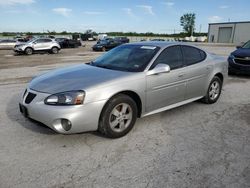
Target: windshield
246,45
132,58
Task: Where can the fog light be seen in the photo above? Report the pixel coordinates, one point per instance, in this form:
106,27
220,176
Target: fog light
66,124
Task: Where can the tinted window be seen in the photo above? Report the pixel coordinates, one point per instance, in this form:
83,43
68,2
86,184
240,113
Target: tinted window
39,41
46,40
192,55
171,56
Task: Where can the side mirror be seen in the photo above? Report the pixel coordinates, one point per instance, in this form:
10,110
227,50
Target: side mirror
238,47
34,42
160,68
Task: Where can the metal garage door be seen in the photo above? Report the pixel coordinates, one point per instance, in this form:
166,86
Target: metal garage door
225,34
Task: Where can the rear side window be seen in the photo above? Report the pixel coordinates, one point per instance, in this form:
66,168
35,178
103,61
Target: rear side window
46,40
192,55
171,56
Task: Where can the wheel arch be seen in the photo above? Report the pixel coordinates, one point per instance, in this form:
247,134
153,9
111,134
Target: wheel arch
220,76
133,95
29,47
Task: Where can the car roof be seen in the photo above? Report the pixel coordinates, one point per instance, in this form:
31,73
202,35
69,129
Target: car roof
161,44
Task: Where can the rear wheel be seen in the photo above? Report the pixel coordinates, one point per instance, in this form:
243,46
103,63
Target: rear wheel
118,116
54,50
214,91
28,51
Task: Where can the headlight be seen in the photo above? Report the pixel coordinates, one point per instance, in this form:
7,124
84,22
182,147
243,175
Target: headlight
66,98
231,56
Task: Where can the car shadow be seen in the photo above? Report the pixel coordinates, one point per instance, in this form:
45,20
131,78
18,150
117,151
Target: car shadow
13,113
243,76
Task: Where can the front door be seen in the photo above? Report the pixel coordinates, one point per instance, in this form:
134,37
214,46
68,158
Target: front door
166,88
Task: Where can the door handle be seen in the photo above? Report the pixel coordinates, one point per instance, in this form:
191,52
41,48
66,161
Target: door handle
181,75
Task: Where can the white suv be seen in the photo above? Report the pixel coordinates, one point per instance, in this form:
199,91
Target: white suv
40,44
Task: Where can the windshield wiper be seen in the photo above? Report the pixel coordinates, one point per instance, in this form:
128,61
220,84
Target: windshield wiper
103,66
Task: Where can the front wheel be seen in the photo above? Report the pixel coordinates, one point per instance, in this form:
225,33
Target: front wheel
54,50
28,51
118,116
214,91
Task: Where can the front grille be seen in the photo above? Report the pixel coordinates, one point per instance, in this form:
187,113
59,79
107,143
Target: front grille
30,97
242,61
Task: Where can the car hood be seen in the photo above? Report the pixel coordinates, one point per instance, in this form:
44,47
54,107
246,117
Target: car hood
78,77
241,52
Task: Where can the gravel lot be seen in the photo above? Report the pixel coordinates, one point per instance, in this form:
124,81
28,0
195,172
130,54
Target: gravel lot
196,145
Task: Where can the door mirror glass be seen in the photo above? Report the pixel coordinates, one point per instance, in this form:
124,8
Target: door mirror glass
159,68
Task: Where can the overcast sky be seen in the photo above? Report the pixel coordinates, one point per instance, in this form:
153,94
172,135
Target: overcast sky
159,16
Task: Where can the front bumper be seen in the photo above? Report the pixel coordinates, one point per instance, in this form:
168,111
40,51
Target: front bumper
83,118
18,49
234,67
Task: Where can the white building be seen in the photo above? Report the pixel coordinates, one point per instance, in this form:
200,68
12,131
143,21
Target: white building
229,32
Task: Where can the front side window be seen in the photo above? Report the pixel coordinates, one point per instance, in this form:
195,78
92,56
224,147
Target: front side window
192,55
171,56
38,41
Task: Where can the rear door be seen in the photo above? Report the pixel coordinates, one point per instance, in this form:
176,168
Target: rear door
38,44
46,44
197,71
166,88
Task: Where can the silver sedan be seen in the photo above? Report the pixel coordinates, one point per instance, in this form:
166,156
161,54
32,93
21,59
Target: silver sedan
130,81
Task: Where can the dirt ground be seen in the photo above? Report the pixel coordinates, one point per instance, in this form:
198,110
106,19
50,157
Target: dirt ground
195,145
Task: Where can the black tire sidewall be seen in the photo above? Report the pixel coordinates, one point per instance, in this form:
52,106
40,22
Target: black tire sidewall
52,50
209,100
26,51
104,125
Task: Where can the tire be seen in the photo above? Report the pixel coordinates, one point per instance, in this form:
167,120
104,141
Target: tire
214,91
54,50
28,51
118,116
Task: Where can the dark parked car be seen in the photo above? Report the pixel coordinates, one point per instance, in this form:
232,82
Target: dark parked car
68,43
239,60
106,44
122,39
157,40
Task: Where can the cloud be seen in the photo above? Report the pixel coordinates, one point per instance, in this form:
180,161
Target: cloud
93,12
215,19
129,12
15,2
62,11
148,9
168,3
224,7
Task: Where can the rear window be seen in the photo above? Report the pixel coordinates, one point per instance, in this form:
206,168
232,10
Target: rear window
192,55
